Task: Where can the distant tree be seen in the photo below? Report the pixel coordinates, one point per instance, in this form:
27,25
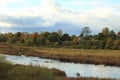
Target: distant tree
35,38
100,36
75,41
105,31
59,31
81,35
47,42
2,38
101,44
108,43
18,34
10,38
9,35
118,33
73,36
22,38
85,31
66,37
42,41
44,34
116,44
29,42
113,35
53,37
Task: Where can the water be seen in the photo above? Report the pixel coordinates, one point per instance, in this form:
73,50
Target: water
85,70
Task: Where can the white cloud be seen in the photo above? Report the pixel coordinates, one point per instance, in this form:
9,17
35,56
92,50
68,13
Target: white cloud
85,3
52,13
6,2
5,24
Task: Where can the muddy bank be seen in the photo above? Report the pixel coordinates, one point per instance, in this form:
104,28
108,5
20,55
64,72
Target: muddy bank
95,57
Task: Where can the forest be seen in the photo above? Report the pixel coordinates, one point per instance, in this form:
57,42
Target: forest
106,39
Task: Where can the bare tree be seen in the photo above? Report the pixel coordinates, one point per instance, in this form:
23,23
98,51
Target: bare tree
59,31
85,31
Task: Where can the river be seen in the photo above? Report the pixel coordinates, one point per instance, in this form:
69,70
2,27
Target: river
85,70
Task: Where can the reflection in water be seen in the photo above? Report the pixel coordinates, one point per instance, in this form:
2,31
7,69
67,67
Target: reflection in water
85,70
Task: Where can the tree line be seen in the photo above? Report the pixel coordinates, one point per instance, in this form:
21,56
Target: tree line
103,40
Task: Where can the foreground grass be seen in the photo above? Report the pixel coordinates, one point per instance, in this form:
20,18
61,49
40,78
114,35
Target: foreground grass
20,72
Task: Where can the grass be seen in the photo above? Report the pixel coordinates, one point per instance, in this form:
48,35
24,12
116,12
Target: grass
30,73
106,57
21,72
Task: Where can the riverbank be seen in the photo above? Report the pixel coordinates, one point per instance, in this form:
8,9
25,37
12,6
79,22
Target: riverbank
29,72
104,57
20,72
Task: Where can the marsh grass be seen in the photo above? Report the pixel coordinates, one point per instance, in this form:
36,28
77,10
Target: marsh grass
5,66
21,72
30,73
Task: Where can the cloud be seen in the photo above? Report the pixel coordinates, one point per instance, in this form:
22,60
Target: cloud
51,13
4,3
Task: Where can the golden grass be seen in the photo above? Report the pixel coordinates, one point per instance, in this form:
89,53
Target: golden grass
73,52
106,57
20,72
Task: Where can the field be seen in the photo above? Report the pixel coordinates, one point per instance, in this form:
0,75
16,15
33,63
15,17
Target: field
106,57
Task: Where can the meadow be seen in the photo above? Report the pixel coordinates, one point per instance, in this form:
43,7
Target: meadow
105,57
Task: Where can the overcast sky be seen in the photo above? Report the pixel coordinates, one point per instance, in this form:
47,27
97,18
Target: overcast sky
50,15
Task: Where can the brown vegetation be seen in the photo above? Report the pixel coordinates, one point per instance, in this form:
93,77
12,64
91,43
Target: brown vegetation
106,57
21,72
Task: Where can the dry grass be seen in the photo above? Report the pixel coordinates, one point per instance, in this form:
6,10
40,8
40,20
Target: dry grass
19,72
106,57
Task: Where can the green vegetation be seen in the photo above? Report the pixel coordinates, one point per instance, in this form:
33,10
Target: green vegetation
104,40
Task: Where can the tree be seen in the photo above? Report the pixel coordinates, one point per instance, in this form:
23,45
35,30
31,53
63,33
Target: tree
2,38
105,31
42,41
66,37
18,34
85,31
28,42
47,42
10,38
113,35
35,37
118,33
116,44
101,44
53,37
59,32
101,36
75,40
108,43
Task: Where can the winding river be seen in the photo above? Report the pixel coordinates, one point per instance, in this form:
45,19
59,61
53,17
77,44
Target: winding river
85,70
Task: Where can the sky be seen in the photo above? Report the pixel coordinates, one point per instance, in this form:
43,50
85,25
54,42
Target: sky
50,15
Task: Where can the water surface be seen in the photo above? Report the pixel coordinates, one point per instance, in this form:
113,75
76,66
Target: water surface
85,70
